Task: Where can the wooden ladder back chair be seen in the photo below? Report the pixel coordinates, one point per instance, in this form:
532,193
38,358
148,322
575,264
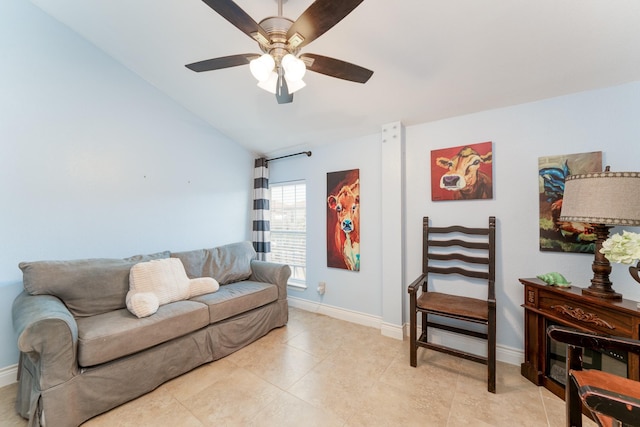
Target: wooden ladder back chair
466,252
610,399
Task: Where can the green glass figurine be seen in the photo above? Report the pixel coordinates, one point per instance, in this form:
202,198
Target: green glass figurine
555,279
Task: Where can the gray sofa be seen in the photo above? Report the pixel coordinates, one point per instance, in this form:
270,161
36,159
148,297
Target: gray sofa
83,353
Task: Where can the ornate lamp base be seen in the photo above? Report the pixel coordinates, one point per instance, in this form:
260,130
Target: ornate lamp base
602,293
600,284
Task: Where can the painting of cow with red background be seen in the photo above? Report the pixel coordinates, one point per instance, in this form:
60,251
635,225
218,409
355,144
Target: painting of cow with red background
343,220
462,173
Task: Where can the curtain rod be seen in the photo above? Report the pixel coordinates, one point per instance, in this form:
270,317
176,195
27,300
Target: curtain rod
308,153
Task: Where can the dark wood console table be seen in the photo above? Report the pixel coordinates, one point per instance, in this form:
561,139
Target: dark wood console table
544,305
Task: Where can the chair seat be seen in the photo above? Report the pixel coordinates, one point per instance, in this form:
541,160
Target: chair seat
620,396
454,306
611,400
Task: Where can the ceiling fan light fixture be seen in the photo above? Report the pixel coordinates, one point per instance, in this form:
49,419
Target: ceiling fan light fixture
295,40
260,38
294,68
270,83
262,67
294,85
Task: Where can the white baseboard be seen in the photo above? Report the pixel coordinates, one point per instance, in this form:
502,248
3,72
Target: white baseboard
392,331
8,375
504,354
336,312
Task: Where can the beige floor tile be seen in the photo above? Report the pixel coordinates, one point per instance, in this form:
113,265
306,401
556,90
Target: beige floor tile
555,410
233,400
281,365
193,383
290,411
325,336
158,408
334,388
472,401
435,375
320,371
431,382
8,415
387,405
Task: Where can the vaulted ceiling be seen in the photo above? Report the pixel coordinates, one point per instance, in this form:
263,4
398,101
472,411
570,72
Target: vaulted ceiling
431,59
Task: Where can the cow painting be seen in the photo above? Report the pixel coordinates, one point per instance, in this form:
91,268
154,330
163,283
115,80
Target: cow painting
464,177
343,220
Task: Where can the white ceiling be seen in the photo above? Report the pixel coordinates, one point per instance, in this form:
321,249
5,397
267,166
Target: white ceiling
431,59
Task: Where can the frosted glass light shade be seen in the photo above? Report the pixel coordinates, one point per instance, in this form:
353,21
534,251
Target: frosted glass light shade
294,68
262,67
270,83
294,85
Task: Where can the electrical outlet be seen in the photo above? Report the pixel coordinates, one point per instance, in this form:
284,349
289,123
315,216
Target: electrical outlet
322,287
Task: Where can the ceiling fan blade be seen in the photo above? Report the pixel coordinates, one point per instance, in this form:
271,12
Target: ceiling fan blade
222,62
282,91
320,17
237,16
336,68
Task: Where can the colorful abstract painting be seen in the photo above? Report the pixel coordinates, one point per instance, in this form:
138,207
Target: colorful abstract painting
556,235
343,219
462,173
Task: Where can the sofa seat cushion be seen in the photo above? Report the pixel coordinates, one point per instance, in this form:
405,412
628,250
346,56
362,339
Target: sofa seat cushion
236,298
112,335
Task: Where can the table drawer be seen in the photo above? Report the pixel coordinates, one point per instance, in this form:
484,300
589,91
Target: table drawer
587,316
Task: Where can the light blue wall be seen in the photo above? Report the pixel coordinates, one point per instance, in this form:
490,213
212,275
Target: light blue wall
95,162
357,291
601,120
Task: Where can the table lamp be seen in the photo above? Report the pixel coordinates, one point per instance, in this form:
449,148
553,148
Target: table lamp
604,199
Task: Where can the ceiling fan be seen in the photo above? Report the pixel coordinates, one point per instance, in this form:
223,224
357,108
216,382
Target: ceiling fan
281,67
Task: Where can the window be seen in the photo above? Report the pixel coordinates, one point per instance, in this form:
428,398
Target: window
289,228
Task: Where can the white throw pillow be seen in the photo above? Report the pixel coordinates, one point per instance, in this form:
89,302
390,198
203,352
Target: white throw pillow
202,285
165,278
142,304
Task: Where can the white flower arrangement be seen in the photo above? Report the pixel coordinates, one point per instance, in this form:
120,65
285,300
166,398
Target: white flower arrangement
622,248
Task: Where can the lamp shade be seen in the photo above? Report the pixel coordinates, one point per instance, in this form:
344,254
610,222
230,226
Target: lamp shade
611,198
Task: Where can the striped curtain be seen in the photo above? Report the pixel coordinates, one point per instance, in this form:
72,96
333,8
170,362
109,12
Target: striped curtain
261,215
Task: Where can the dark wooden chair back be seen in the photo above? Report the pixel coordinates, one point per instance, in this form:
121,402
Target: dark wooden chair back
610,400
470,254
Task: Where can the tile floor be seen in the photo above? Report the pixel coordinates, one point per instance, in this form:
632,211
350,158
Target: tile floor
320,371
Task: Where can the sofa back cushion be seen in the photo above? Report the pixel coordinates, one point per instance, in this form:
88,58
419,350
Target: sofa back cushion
227,264
88,286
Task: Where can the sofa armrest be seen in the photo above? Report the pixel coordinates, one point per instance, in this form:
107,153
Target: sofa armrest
270,272
48,335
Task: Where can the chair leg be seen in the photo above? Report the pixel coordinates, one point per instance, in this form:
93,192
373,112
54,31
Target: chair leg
413,327
425,320
491,353
573,404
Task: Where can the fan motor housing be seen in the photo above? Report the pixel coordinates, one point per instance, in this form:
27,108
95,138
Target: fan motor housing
277,45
